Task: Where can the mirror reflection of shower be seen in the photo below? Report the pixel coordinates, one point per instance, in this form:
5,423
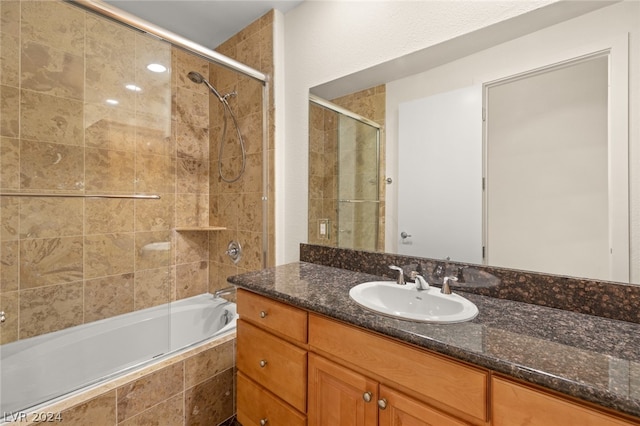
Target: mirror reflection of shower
199,79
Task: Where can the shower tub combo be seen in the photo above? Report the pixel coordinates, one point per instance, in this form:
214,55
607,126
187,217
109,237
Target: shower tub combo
42,370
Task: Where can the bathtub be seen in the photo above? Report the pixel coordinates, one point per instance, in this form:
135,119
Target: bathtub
41,369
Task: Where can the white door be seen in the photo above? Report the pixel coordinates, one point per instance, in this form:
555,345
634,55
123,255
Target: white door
440,154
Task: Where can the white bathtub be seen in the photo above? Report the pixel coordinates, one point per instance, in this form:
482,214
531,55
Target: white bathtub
43,368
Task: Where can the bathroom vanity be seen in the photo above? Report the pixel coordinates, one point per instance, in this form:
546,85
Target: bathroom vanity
308,355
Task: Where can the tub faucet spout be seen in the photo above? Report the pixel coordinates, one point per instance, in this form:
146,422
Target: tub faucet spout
223,291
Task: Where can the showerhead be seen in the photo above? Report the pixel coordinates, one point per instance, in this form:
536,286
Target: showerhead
197,78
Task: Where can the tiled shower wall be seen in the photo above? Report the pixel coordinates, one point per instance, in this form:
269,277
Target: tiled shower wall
238,205
66,261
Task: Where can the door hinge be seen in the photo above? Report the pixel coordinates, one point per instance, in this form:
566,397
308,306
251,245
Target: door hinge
483,252
484,114
483,184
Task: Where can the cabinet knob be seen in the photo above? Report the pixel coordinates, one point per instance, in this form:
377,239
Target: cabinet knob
264,421
382,403
263,314
263,363
366,396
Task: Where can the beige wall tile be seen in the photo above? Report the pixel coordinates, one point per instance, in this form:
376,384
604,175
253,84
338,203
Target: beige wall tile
109,128
192,246
9,59
109,171
51,118
192,108
55,24
9,163
155,134
192,175
154,287
151,251
191,279
9,218
97,411
50,166
9,111
251,249
51,71
61,305
135,397
192,210
108,215
108,254
186,63
110,40
155,173
210,402
10,17
155,215
10,304
107,297
167,413
50,217
50,261
251,206
9,266
209,363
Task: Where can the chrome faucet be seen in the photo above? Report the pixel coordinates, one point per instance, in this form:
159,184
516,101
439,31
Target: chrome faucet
446,289
400,279
223,291
421,283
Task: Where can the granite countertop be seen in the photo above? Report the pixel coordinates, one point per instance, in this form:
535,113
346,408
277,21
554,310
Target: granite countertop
588,357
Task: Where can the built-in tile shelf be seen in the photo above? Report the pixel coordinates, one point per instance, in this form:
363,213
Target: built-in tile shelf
200,228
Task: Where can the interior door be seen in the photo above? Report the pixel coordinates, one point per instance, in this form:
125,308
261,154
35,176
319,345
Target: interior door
547,171
440,152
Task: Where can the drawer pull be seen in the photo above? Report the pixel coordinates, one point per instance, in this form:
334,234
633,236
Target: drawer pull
263,363
366,396
264,421
382,403
263,314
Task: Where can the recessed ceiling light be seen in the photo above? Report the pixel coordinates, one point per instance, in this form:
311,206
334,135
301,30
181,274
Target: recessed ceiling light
112,102
156,68
133,88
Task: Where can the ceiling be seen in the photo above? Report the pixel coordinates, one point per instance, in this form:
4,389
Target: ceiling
206,22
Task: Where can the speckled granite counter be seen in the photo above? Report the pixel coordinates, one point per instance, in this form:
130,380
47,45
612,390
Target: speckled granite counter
592,358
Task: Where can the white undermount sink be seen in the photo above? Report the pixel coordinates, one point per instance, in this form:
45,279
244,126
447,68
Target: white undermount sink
406,302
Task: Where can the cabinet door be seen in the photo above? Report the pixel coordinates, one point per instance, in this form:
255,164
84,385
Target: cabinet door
339,396
519,405
400,410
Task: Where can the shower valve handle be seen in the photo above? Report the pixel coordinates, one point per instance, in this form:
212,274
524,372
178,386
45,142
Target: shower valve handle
3,318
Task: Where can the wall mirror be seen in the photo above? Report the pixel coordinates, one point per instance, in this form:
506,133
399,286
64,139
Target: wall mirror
608,36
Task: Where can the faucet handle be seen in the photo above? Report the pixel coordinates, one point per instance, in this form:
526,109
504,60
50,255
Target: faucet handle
400,279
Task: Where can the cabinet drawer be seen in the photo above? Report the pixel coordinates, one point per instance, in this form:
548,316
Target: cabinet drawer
277,365
273,316
403,410
514,404
256,404
455,385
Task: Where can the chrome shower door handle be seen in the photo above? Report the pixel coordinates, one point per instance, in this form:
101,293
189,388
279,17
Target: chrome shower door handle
404,235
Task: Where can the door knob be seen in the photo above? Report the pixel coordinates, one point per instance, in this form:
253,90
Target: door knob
404,235
263,363
382,403
366,396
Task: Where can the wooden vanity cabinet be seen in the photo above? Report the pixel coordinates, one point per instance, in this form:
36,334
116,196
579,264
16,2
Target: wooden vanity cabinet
442,391
271,361
516,404
339,396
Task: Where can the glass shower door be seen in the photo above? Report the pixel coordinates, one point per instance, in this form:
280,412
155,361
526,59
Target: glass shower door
358,181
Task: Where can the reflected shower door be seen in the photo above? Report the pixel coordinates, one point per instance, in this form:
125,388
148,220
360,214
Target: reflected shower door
358,180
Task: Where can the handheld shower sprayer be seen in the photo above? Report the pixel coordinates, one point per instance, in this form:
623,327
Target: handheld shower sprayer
199,79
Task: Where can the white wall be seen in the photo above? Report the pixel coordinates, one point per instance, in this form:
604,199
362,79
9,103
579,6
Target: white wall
325,40
573,37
